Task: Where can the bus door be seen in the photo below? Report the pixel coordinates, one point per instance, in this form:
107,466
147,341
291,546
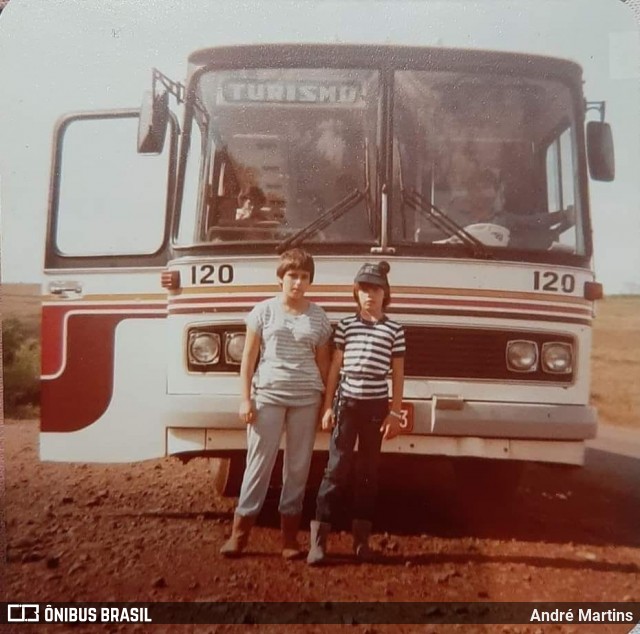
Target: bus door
107,241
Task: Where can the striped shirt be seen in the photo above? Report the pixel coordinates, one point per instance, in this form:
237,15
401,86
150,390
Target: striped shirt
287,373
368,349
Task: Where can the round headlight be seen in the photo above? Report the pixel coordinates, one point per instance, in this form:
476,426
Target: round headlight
234,346
522,356
557,358
204,347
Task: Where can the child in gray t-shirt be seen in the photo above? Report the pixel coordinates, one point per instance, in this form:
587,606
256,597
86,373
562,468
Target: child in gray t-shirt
291,335
288,372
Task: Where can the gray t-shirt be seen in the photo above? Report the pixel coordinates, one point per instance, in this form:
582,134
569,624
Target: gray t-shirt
287,373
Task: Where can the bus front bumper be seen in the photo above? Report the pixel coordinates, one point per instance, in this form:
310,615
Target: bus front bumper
440,426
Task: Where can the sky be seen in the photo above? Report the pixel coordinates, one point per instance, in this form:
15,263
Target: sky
58,56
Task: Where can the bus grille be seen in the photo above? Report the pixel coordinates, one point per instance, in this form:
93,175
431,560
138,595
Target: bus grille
471,353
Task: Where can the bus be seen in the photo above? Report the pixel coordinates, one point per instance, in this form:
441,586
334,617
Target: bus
361,153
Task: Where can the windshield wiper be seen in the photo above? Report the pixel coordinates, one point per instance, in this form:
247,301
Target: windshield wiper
446,224
323,220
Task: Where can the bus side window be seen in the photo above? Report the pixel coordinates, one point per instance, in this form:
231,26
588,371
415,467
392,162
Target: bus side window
222,195
194,188
106,190
561,192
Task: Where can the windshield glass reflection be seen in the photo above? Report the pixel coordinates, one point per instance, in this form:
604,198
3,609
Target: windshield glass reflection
281,147
495,154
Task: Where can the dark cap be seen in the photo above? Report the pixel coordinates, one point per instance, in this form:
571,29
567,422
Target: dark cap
373,274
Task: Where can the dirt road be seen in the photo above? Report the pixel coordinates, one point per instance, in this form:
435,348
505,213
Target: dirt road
151,532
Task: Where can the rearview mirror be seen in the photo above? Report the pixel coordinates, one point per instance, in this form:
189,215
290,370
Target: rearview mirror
152,122
600,156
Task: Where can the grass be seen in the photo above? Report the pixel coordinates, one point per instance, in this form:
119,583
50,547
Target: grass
21,301
21,350
615,359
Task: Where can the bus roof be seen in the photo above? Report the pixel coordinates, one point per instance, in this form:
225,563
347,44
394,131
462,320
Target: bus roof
377,56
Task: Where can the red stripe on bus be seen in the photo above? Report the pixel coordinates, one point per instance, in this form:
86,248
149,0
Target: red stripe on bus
81,394
492,314
52,328
52,338
181,306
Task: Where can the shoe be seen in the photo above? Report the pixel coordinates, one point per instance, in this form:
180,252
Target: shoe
361,530
318,542
242,525
289,525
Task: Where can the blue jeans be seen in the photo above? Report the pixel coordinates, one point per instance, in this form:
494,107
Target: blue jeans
299,425
357,419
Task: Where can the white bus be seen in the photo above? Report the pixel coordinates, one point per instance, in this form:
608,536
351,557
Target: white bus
363,153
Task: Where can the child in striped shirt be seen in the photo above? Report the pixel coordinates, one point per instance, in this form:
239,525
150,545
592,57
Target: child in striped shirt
367,345
281,394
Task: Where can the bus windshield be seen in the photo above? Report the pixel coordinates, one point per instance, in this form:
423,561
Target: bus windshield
471,163
495,154
279,149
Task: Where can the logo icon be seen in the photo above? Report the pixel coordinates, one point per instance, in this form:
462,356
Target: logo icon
23,613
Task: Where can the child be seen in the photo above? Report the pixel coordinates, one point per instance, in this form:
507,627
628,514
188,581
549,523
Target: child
367,344
250,201
291,334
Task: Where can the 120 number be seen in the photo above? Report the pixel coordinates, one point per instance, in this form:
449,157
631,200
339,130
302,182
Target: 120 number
210,274
551,281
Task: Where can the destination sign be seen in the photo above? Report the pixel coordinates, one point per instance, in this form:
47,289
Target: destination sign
346,93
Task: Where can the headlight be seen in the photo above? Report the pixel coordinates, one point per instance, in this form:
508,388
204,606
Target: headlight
204,348
557,358
233,346
522,356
